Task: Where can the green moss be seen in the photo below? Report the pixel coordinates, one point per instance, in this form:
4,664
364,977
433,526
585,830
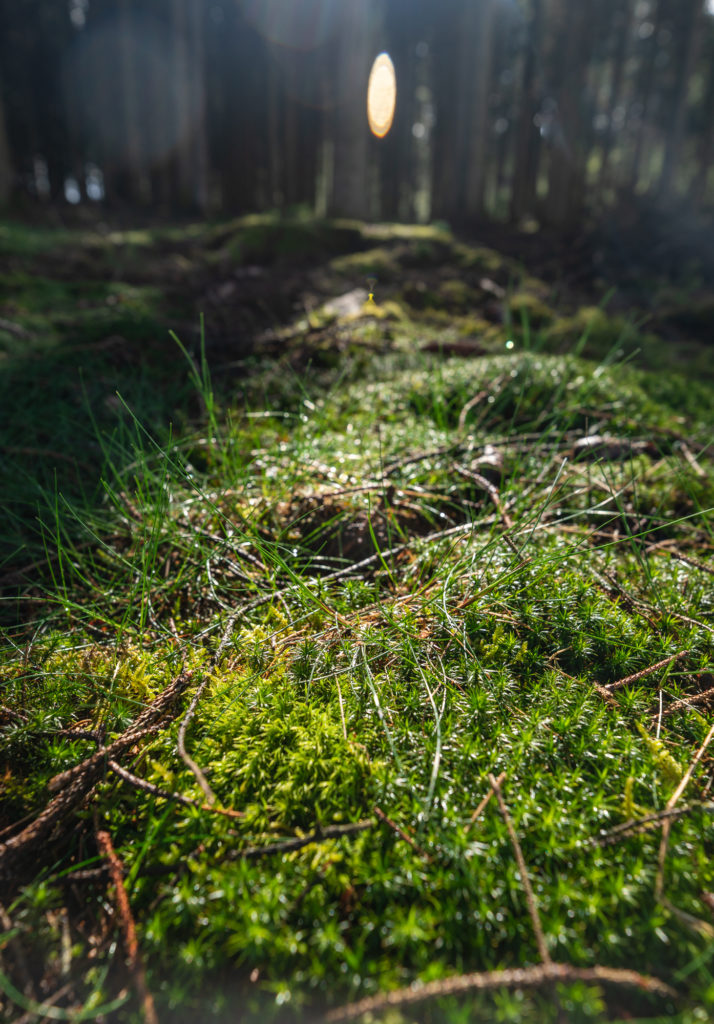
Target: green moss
524,306
381,263
594,332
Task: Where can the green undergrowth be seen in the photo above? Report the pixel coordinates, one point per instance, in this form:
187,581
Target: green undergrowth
397,574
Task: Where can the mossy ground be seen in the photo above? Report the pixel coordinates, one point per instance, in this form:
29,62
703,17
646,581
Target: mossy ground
431,573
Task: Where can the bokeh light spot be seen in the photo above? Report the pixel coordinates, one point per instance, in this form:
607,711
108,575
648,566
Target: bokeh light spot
381,95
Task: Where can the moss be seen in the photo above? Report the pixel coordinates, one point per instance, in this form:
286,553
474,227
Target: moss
379,262
271,239
591,326
524,306
485,260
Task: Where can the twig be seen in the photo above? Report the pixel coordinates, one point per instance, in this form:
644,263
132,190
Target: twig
687,702
659,881
128,928
40,1011
679,557
320,835
482,805
520,977
181,745
149,787
400,832
649,820
646,671
530,895
495,497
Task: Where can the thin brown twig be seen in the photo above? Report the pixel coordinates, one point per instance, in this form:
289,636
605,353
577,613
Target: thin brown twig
127,925
149,787
520,860
400,832
495,497
181,744
320,835
687,702
483,981
646,671
671,803
40,1010
482,805
646,822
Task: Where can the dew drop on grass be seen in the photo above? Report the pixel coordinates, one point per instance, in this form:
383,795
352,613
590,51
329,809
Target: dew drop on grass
510,343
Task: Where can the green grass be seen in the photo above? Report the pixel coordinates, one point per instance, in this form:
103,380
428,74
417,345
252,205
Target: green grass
319,546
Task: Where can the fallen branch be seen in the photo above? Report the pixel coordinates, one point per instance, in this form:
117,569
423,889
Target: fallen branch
646,671
181,744
520,977
74,785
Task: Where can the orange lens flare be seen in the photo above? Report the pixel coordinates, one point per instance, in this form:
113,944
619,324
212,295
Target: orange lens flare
381,95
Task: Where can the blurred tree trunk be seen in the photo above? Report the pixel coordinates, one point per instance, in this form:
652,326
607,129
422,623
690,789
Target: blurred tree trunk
189,54
199,145
644,90
476,82
622,23
463,47
705,151
6,173
350,188
523,194
136,186
569,131
689,41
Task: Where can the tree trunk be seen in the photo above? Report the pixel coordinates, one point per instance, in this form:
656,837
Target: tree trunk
523,192
568,134
6,173
351,189
623,25
136,183
676,128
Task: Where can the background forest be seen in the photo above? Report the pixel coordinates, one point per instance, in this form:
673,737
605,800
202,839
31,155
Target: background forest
507,109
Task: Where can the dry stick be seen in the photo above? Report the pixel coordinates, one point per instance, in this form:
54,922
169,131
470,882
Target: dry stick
400,832
687,702
530,895
659,882
495,498
483,804
149,787
128,928
181,744
318,836
647,822
646,671
520,977
679,557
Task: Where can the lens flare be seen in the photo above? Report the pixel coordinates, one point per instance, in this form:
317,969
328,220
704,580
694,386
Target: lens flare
381,95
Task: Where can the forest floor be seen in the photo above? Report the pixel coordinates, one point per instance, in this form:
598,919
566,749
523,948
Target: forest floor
357,637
